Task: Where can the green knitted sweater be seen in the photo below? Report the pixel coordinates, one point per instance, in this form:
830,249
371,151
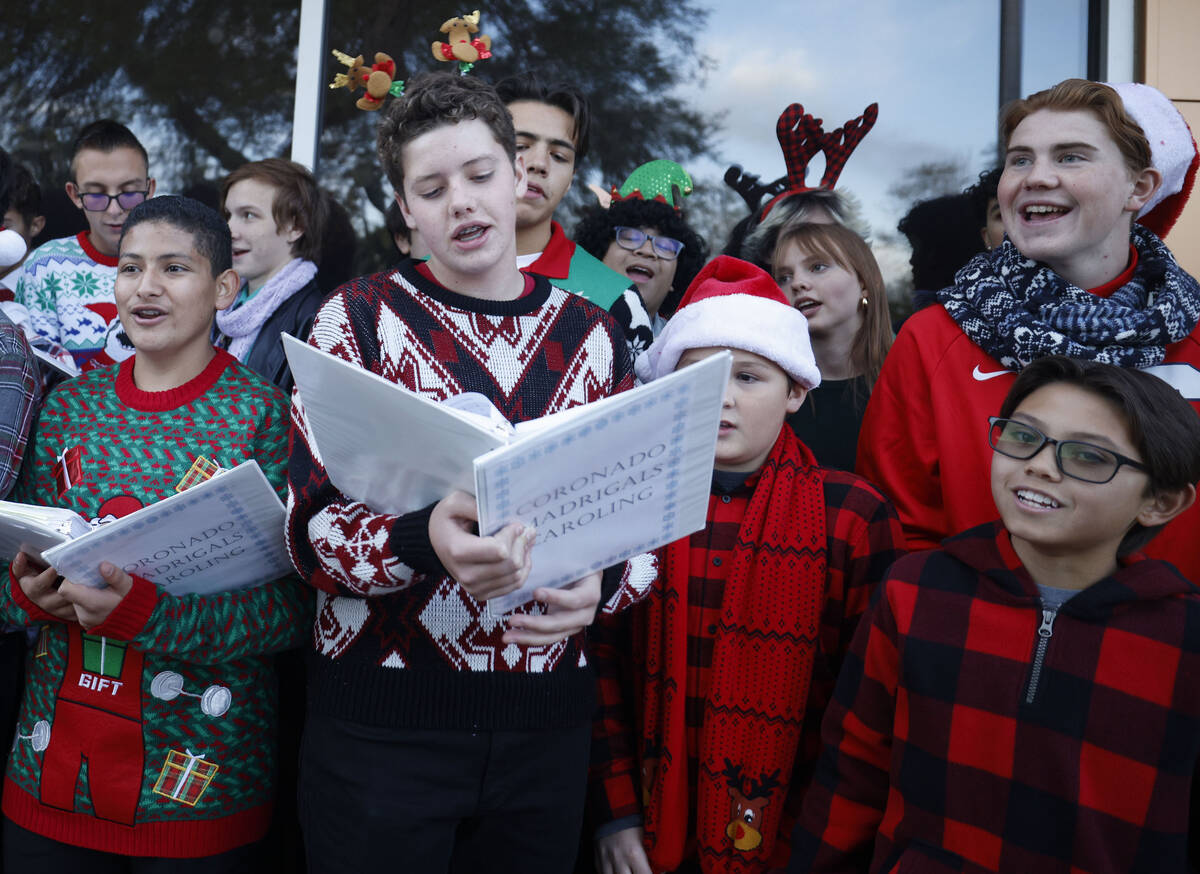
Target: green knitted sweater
154,733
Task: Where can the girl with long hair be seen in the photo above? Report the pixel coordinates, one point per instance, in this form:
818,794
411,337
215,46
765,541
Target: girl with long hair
829,274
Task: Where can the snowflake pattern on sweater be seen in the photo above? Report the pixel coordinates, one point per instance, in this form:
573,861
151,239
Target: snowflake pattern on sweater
397,640
153,733
67,286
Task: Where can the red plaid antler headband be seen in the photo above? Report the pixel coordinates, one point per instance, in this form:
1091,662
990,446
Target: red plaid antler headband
802,137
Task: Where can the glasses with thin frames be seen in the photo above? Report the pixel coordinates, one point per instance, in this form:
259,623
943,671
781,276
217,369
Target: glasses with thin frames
1076,459
98,201
667,248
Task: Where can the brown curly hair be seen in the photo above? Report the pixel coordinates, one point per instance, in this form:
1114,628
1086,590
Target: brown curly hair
431,100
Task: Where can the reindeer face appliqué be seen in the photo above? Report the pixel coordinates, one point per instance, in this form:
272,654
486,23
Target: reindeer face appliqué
748,799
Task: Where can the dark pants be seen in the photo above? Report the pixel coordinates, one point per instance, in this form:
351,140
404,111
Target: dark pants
283,846
431,802
26,851
12,685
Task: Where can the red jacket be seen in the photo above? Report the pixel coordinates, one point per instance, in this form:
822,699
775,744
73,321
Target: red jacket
924,435
973,731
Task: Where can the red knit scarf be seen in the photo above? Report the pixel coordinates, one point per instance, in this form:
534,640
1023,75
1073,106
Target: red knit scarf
761,672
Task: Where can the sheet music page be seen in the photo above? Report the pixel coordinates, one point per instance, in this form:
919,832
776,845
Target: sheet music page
225,533
616,478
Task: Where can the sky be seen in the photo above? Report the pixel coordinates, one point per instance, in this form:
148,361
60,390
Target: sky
931,65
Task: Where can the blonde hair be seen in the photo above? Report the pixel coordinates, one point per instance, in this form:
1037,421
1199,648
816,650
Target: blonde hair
850,252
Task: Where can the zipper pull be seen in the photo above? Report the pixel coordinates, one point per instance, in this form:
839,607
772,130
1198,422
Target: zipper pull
1045,630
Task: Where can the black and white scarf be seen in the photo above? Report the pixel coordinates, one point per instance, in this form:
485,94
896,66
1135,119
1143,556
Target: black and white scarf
1018,310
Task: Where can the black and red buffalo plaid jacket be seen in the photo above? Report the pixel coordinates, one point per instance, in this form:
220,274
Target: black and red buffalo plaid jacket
951,746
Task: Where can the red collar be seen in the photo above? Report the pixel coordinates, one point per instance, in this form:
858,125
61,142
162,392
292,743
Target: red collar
162,401
85,243
1112,285
555,260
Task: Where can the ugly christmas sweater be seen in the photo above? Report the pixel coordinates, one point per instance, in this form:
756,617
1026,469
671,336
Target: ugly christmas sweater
974,730
67,286
151,734
572,268
397,641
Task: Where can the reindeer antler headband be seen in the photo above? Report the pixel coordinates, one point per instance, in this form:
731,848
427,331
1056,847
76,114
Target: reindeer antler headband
802,137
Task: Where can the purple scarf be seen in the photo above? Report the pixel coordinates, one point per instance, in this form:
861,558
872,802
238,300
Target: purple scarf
243,323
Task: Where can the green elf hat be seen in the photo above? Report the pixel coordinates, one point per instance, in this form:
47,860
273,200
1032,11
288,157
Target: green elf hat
664,181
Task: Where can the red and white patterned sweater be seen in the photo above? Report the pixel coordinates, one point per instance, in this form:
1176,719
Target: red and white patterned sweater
397,641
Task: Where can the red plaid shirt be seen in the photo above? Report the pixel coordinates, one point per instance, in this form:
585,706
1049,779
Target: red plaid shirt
962,737
863,537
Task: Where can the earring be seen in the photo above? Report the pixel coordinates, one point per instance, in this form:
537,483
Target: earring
864,300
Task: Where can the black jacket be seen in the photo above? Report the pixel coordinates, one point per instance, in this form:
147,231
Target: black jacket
294,316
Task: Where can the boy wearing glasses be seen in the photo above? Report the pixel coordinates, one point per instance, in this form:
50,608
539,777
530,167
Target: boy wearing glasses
1027,696
67,284
552,124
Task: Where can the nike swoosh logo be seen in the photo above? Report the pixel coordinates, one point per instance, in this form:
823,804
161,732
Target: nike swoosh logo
984,377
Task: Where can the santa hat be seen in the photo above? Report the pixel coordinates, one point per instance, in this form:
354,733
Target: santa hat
1172,152
733,303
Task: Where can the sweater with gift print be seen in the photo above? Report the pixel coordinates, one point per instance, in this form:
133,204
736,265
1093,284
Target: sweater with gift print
151,734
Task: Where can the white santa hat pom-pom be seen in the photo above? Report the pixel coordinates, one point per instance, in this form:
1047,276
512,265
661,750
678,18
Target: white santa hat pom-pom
12,248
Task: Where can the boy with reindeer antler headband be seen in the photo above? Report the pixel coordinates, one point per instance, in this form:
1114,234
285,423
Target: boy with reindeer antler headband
792,201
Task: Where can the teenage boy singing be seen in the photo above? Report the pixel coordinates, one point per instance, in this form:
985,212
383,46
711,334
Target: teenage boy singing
552,123
436,730
107,766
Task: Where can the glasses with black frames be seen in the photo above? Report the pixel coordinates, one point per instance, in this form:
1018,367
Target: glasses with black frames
667,248
1076,459
98,201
